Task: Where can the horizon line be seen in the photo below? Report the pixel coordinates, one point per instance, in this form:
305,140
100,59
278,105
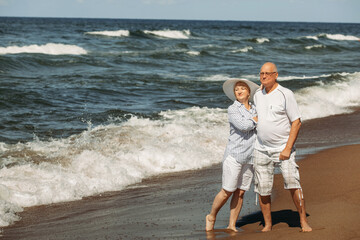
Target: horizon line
174,19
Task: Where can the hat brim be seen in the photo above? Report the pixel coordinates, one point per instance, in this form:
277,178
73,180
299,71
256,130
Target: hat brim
229,85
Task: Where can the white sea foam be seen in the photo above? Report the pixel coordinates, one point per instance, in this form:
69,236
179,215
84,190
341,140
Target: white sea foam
262,40
340,37
8,210
215,78
245,49
251,77
289,78
49,48
194,53
312,37
285,78
109,158
174,34
315,46
118,33
330,99
256,78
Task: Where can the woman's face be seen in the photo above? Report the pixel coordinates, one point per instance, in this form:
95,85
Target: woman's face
242,93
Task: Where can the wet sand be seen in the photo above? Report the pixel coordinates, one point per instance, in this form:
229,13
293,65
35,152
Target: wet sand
174,206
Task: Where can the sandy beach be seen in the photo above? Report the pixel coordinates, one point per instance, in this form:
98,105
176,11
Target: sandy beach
331,189
174,206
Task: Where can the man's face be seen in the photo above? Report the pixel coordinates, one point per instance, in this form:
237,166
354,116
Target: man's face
268,75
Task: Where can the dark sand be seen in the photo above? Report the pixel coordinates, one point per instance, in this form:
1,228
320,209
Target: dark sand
174,206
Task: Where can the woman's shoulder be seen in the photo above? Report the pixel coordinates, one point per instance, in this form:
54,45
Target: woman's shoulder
233,105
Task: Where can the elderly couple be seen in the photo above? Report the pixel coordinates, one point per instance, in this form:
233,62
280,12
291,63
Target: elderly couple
275,119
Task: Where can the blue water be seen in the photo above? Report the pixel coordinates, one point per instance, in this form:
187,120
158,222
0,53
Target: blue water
54,96
96,105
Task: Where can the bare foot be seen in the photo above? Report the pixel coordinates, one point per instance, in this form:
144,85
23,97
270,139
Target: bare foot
266,229
305,227
233,228
210,222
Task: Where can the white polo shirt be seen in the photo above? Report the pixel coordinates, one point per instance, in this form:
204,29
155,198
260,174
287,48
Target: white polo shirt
276,111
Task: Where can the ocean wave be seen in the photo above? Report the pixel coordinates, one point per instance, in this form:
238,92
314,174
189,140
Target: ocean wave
312,37
315,46
215,78
262,40
49,48
329,99
108,158
290,78
7,210
118,33
245,49
286,78
193,53
339,37
173,34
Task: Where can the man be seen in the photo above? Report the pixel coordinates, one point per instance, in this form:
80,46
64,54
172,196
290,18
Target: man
277,129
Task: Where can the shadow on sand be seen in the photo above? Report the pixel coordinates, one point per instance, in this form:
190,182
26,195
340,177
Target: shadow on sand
290,217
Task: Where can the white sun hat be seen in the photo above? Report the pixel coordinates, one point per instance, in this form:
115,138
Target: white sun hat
229,85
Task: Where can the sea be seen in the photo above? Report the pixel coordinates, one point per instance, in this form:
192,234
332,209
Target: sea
96,105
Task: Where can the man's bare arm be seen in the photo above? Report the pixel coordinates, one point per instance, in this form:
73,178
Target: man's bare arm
294,132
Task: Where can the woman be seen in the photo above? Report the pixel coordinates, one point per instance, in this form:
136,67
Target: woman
237,163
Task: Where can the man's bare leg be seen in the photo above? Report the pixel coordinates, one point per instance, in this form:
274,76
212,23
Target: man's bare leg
265,205
297,197
219,201
235,208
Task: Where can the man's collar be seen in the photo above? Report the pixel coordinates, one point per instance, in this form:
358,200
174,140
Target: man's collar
274,87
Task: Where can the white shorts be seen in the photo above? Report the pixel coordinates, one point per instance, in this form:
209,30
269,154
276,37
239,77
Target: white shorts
236,175
264,164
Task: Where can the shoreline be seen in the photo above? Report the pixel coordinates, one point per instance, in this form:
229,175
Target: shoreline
331,204
174,205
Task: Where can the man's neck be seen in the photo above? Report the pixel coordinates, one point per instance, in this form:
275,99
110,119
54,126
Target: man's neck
271,88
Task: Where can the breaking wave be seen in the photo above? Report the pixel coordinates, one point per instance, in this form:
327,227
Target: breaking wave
49,48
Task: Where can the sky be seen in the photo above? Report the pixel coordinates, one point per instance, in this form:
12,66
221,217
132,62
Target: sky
238,10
